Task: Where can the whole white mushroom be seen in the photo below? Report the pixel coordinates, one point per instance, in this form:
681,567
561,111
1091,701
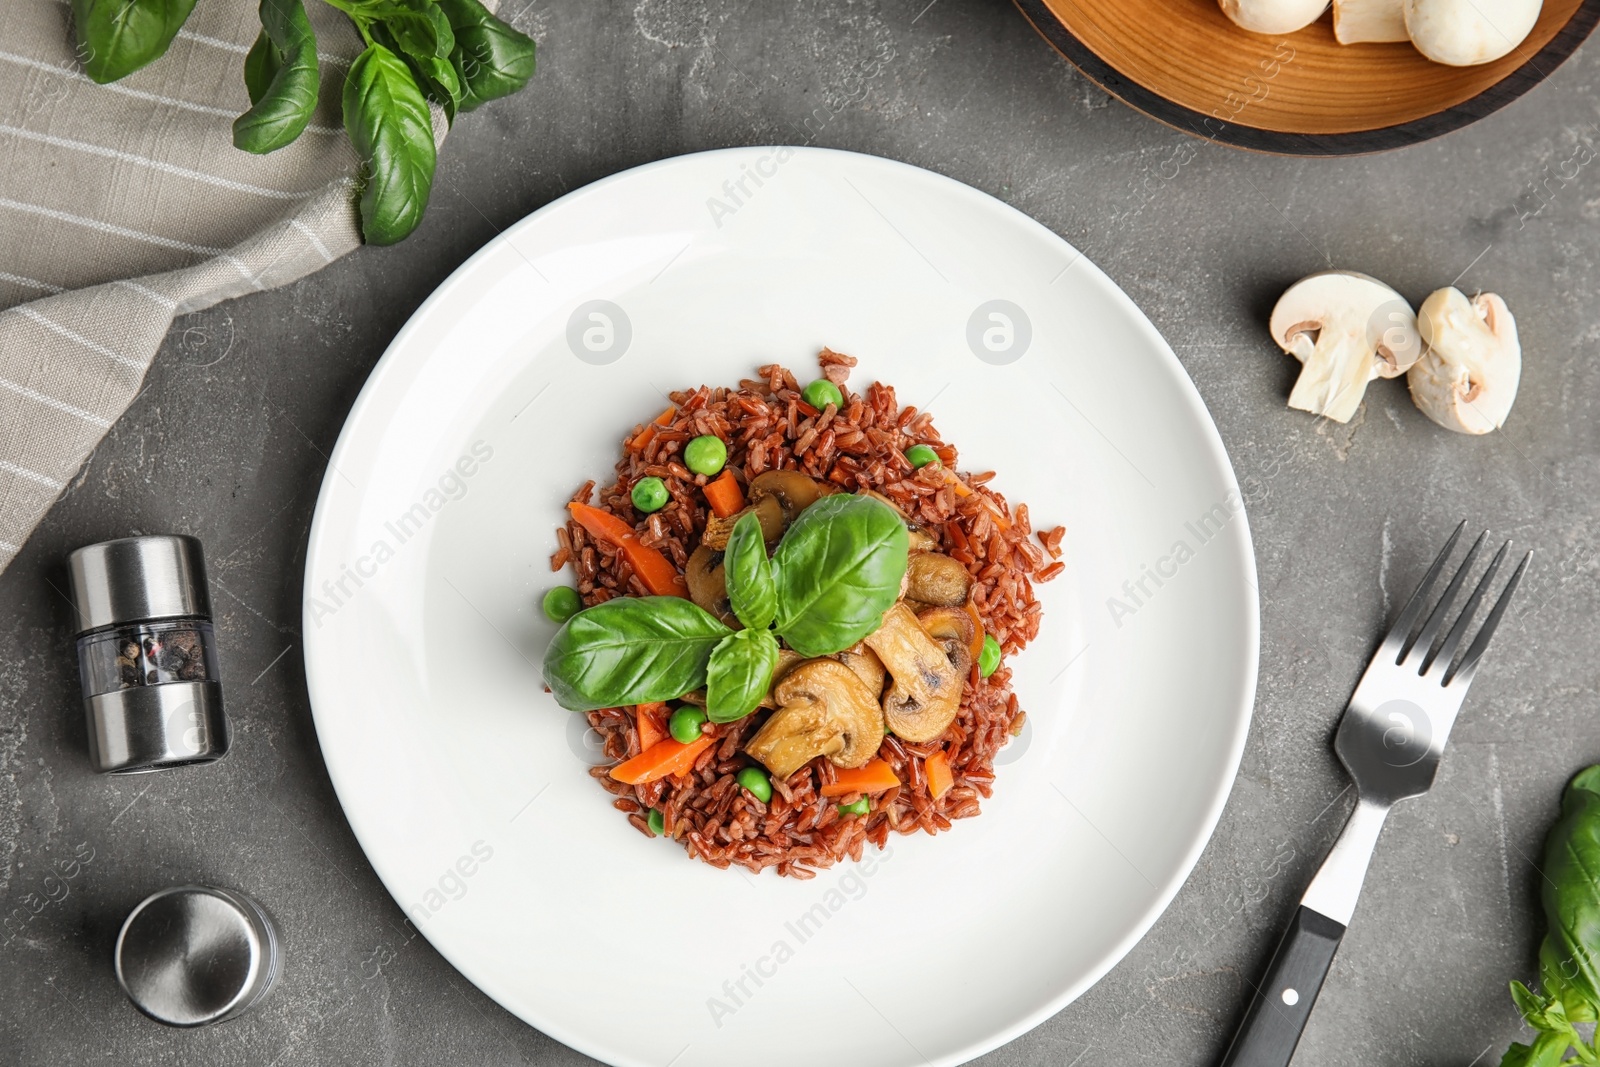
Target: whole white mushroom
1347,328
1464,33
1273,16
1471,361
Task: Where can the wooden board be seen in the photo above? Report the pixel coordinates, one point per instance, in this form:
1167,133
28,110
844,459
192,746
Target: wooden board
1183,62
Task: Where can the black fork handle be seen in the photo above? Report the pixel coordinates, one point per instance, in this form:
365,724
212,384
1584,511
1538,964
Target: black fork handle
1282,1002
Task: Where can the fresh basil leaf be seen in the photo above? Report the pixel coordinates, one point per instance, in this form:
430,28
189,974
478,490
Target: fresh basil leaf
420,28
117,37
1548,1050
1555,976
837,570
492,58
631,650
751,590
279,113
739,674
436,77
392,131
1570,892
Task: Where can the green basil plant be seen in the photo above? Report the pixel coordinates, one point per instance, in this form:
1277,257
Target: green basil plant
455,53
836,571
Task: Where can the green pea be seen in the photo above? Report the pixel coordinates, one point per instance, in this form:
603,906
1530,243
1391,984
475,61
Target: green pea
756,783
860,807
989,657
561,603
658,822
684,725
820,393
705,454
921,455
650,494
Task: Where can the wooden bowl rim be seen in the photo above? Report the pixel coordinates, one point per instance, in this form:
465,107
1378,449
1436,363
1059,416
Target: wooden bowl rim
1536,69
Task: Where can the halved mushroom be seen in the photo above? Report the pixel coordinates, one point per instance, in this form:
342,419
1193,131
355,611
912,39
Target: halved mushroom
926,692
824,710
1468,375
1464,33
1274,16
791,490
708,584
768,510
954,629
1379,21
934,578
1348,329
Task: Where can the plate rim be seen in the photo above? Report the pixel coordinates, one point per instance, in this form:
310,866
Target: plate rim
1534,71
1241,544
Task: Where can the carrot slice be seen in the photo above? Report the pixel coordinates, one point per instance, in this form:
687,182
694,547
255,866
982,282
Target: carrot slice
654,570
939,777
724,495
651,722
660,760
976,647
648,434
875,777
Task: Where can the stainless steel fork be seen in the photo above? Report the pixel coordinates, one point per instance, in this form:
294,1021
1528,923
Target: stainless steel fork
1390,739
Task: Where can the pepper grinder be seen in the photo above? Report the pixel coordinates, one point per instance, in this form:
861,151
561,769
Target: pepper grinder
147,655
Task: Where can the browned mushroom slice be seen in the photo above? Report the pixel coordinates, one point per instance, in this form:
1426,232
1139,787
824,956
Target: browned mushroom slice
937,579
768,510
791,490
954,630
926,693
708,585
824,710
921,540
866,665
788,660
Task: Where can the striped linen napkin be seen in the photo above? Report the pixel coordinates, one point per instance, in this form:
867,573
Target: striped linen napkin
124,205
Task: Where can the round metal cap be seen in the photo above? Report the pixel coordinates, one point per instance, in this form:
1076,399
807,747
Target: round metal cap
136,578
194,955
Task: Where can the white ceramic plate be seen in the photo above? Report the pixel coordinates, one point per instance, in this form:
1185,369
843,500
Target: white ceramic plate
467,785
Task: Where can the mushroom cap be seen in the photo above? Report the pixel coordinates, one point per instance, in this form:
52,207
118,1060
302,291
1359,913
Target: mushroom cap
708,584
1464,33
1379,21
825,709
1468,375
1273,16
792,490
926,693
1347,328
934,578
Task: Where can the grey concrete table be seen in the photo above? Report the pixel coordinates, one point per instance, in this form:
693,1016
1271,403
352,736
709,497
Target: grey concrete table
230,439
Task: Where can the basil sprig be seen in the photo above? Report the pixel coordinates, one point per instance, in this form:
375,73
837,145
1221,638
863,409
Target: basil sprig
834,574
1569,959
455,53
631,650
837,570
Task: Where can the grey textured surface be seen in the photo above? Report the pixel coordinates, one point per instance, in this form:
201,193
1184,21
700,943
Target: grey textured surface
229,442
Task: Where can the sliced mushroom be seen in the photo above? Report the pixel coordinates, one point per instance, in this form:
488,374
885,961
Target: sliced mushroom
921,540
768,510
788,660
793,492
1378,21
866,665
1468,375
933,578
954,629
1347,329
1464,33
926,693
824,710
1274,16
708,584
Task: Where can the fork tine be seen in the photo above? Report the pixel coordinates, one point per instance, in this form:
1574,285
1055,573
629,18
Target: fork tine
1447,649
1469,662
1409,614
1430,629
